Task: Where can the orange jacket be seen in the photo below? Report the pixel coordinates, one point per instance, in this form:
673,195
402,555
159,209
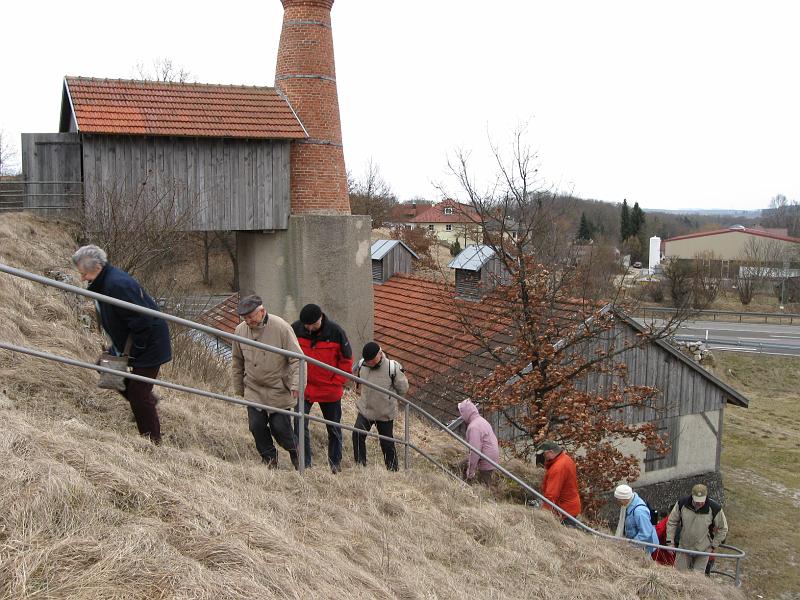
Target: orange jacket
560,484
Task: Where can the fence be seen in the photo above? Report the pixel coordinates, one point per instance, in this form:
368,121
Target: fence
40,195
725,315
409,406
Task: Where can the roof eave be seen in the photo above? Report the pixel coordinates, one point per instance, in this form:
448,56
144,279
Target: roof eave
67,110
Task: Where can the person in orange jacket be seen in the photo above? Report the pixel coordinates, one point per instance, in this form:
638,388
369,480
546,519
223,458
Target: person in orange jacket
560,483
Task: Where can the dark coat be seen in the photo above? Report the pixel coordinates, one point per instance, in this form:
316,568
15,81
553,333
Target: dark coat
150,335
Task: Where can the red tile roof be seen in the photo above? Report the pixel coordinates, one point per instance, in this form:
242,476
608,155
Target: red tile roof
758,232
222,316
116,106
462,213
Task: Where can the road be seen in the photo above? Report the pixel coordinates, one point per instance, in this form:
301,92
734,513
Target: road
743,337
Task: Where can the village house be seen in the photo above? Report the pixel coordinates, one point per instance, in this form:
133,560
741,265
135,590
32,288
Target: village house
451,221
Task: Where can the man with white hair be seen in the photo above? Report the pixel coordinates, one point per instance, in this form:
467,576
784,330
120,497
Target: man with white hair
634,517
146,337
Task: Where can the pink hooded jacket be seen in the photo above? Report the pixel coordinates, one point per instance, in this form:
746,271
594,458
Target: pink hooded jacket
481,436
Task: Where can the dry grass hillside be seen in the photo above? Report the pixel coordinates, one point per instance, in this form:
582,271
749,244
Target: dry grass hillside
90,510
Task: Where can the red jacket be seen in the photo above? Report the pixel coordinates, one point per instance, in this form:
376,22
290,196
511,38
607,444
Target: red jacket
329,345
560,484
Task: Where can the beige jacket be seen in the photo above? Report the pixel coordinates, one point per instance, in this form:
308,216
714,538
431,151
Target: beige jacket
701,529
266,377
375,405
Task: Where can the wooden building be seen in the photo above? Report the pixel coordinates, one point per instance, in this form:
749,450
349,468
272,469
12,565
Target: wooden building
390,257
477,271
218,156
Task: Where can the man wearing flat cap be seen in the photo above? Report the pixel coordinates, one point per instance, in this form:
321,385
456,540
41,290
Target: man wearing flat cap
703,528
266,378
560,483
374,407
323,339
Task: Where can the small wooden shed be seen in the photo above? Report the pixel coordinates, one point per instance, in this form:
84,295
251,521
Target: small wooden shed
220,155
478,271
390,257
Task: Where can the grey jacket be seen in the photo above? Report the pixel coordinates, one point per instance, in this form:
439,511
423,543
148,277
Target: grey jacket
375,405
266,377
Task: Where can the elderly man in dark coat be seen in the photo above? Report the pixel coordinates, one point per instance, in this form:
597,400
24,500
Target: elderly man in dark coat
148,337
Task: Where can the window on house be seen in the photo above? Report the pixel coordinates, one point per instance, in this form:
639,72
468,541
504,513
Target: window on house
430,227
448,211
448,227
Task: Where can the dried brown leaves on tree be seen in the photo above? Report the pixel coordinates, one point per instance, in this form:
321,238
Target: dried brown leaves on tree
559,371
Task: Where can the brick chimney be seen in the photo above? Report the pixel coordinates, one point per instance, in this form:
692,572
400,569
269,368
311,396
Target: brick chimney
306,74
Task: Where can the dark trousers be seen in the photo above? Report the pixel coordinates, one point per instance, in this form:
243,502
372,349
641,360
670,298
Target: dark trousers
268,425
331,411
360,441
143,403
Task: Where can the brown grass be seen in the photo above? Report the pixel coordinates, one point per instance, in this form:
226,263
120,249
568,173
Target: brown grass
90,510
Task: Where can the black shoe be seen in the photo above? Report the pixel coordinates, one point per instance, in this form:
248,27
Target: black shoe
336,469
295,460
272,463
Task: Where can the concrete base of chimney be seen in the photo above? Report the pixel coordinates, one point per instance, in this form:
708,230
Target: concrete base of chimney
324,259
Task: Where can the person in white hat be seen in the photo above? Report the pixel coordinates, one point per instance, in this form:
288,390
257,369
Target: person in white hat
634,517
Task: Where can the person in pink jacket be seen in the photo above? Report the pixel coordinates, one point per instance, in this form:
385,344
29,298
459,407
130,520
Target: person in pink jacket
481,436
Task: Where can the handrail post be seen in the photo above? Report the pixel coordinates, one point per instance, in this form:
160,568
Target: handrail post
406,436
737,579
301,409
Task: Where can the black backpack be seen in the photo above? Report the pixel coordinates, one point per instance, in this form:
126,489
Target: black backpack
655,516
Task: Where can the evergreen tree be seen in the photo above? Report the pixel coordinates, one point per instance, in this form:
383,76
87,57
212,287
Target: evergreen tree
636,220
624,222
586,229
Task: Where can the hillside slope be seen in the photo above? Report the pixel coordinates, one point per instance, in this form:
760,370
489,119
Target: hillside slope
90,510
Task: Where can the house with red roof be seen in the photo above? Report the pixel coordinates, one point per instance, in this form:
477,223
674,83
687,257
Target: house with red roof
219,153
449,221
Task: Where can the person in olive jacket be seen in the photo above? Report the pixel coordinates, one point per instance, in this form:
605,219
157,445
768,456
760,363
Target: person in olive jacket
266,378
703,527
374,407
149,336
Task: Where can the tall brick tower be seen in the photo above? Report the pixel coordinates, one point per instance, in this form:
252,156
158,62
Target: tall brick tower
306,74
324,255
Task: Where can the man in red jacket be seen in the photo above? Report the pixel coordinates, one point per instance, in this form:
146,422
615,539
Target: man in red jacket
560,483
324,340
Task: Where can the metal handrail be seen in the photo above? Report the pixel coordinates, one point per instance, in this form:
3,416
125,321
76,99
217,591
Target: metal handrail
301,413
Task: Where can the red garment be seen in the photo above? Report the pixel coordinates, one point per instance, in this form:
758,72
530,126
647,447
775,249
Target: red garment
663,557
560,484
329,345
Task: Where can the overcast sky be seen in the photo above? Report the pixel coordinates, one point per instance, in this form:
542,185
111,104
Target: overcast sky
671,104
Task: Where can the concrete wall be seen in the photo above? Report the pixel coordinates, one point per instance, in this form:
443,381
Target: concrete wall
696,446
324,259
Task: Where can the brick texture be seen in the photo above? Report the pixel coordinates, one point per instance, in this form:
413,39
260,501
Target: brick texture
306,74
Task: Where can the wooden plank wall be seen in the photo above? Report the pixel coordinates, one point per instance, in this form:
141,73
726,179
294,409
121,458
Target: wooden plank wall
225,184
51,167
684,391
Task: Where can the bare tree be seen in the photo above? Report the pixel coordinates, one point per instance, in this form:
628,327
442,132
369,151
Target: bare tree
141,227
761,259
783,213
8,156
553,326
163,69
371,195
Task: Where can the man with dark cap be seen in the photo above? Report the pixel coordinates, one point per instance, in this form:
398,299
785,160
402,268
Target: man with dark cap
560,483
703,528
267,378
374,407
323,339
